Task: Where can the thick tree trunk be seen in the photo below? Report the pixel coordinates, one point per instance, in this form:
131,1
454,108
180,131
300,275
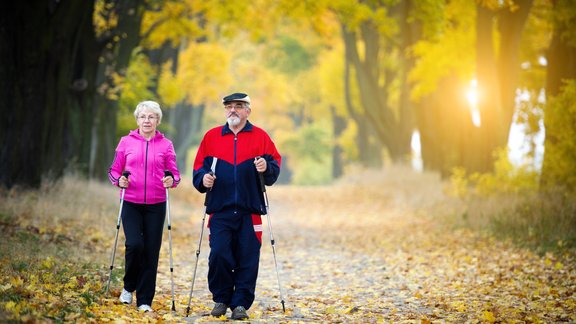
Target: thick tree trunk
447,135
45,58
377,114
368,154
510,26
489,103
410,33
497,75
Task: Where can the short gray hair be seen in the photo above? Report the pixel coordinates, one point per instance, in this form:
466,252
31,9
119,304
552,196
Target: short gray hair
149,105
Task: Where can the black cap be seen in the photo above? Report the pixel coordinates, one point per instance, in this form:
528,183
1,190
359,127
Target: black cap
236,97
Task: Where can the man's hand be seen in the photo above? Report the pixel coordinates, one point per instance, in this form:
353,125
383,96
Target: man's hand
260,164
208,180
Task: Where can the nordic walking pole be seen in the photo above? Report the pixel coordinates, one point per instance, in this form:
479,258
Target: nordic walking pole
125,174
263,187
169,174
212,172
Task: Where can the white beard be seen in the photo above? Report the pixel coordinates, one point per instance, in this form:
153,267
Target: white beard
233,121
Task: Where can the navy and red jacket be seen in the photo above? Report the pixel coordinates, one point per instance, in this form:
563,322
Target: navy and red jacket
237,184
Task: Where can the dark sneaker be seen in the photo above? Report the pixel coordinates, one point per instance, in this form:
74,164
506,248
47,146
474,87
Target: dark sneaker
219,309
239,313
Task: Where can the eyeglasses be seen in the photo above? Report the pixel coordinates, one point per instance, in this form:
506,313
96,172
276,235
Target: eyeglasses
236,106
150,118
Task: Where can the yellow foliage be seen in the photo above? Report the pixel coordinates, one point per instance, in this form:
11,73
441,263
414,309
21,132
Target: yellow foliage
104,20
506,178
171,91
450,53
170,22
560,158
204,72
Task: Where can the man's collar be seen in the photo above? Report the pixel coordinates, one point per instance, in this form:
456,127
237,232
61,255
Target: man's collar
247,128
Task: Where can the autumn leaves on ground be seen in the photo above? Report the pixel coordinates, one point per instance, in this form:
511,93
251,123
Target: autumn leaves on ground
375,247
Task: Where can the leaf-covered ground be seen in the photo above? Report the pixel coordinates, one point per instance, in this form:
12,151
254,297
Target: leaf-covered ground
380,248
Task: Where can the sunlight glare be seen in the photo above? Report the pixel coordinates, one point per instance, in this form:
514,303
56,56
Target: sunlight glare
417,163
472,96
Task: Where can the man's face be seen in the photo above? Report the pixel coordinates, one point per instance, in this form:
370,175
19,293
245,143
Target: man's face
236,112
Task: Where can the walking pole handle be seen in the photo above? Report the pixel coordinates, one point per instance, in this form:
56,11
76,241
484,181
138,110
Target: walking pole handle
126,174
168,173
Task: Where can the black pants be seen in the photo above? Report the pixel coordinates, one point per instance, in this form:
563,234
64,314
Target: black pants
235,241
143,226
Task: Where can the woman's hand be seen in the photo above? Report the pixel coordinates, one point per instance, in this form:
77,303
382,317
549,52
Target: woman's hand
168,182
123,182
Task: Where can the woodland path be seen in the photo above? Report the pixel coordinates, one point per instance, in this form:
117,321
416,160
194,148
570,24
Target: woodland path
371,252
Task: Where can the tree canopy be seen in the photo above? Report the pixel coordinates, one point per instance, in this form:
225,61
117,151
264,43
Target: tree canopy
337,83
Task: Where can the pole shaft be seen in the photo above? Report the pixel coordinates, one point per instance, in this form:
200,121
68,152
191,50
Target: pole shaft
115,239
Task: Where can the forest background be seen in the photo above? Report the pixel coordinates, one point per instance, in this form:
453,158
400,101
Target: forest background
341,86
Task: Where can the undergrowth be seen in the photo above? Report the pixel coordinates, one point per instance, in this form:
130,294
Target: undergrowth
510,204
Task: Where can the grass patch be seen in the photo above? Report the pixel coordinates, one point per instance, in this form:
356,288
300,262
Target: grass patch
510,205
545,222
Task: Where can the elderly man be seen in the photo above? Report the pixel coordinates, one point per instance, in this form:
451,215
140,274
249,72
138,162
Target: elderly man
227,164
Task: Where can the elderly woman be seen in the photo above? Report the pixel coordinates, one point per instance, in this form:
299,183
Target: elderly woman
145,153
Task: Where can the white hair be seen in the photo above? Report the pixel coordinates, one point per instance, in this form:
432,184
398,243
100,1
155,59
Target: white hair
153,106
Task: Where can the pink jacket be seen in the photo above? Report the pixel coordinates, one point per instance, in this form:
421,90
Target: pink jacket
146,162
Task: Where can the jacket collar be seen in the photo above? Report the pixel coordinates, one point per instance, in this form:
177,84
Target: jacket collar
136,134
226,129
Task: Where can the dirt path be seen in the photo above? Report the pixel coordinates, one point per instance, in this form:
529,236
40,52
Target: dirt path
371,252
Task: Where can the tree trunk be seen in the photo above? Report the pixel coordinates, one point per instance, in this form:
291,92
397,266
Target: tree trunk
510,27
410,33
366,151
497,76
339,125
448,137
186,122
45,76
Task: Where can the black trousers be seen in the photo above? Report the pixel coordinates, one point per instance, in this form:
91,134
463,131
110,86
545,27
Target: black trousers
143,227
235,241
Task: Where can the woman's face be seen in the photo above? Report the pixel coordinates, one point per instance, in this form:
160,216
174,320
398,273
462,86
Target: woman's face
147,122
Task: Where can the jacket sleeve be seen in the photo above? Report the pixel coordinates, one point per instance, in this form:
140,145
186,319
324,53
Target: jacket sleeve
199,168
118,164
273,161
171,165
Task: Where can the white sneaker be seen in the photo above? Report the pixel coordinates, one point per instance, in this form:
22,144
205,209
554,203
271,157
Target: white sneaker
145,308
126,297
